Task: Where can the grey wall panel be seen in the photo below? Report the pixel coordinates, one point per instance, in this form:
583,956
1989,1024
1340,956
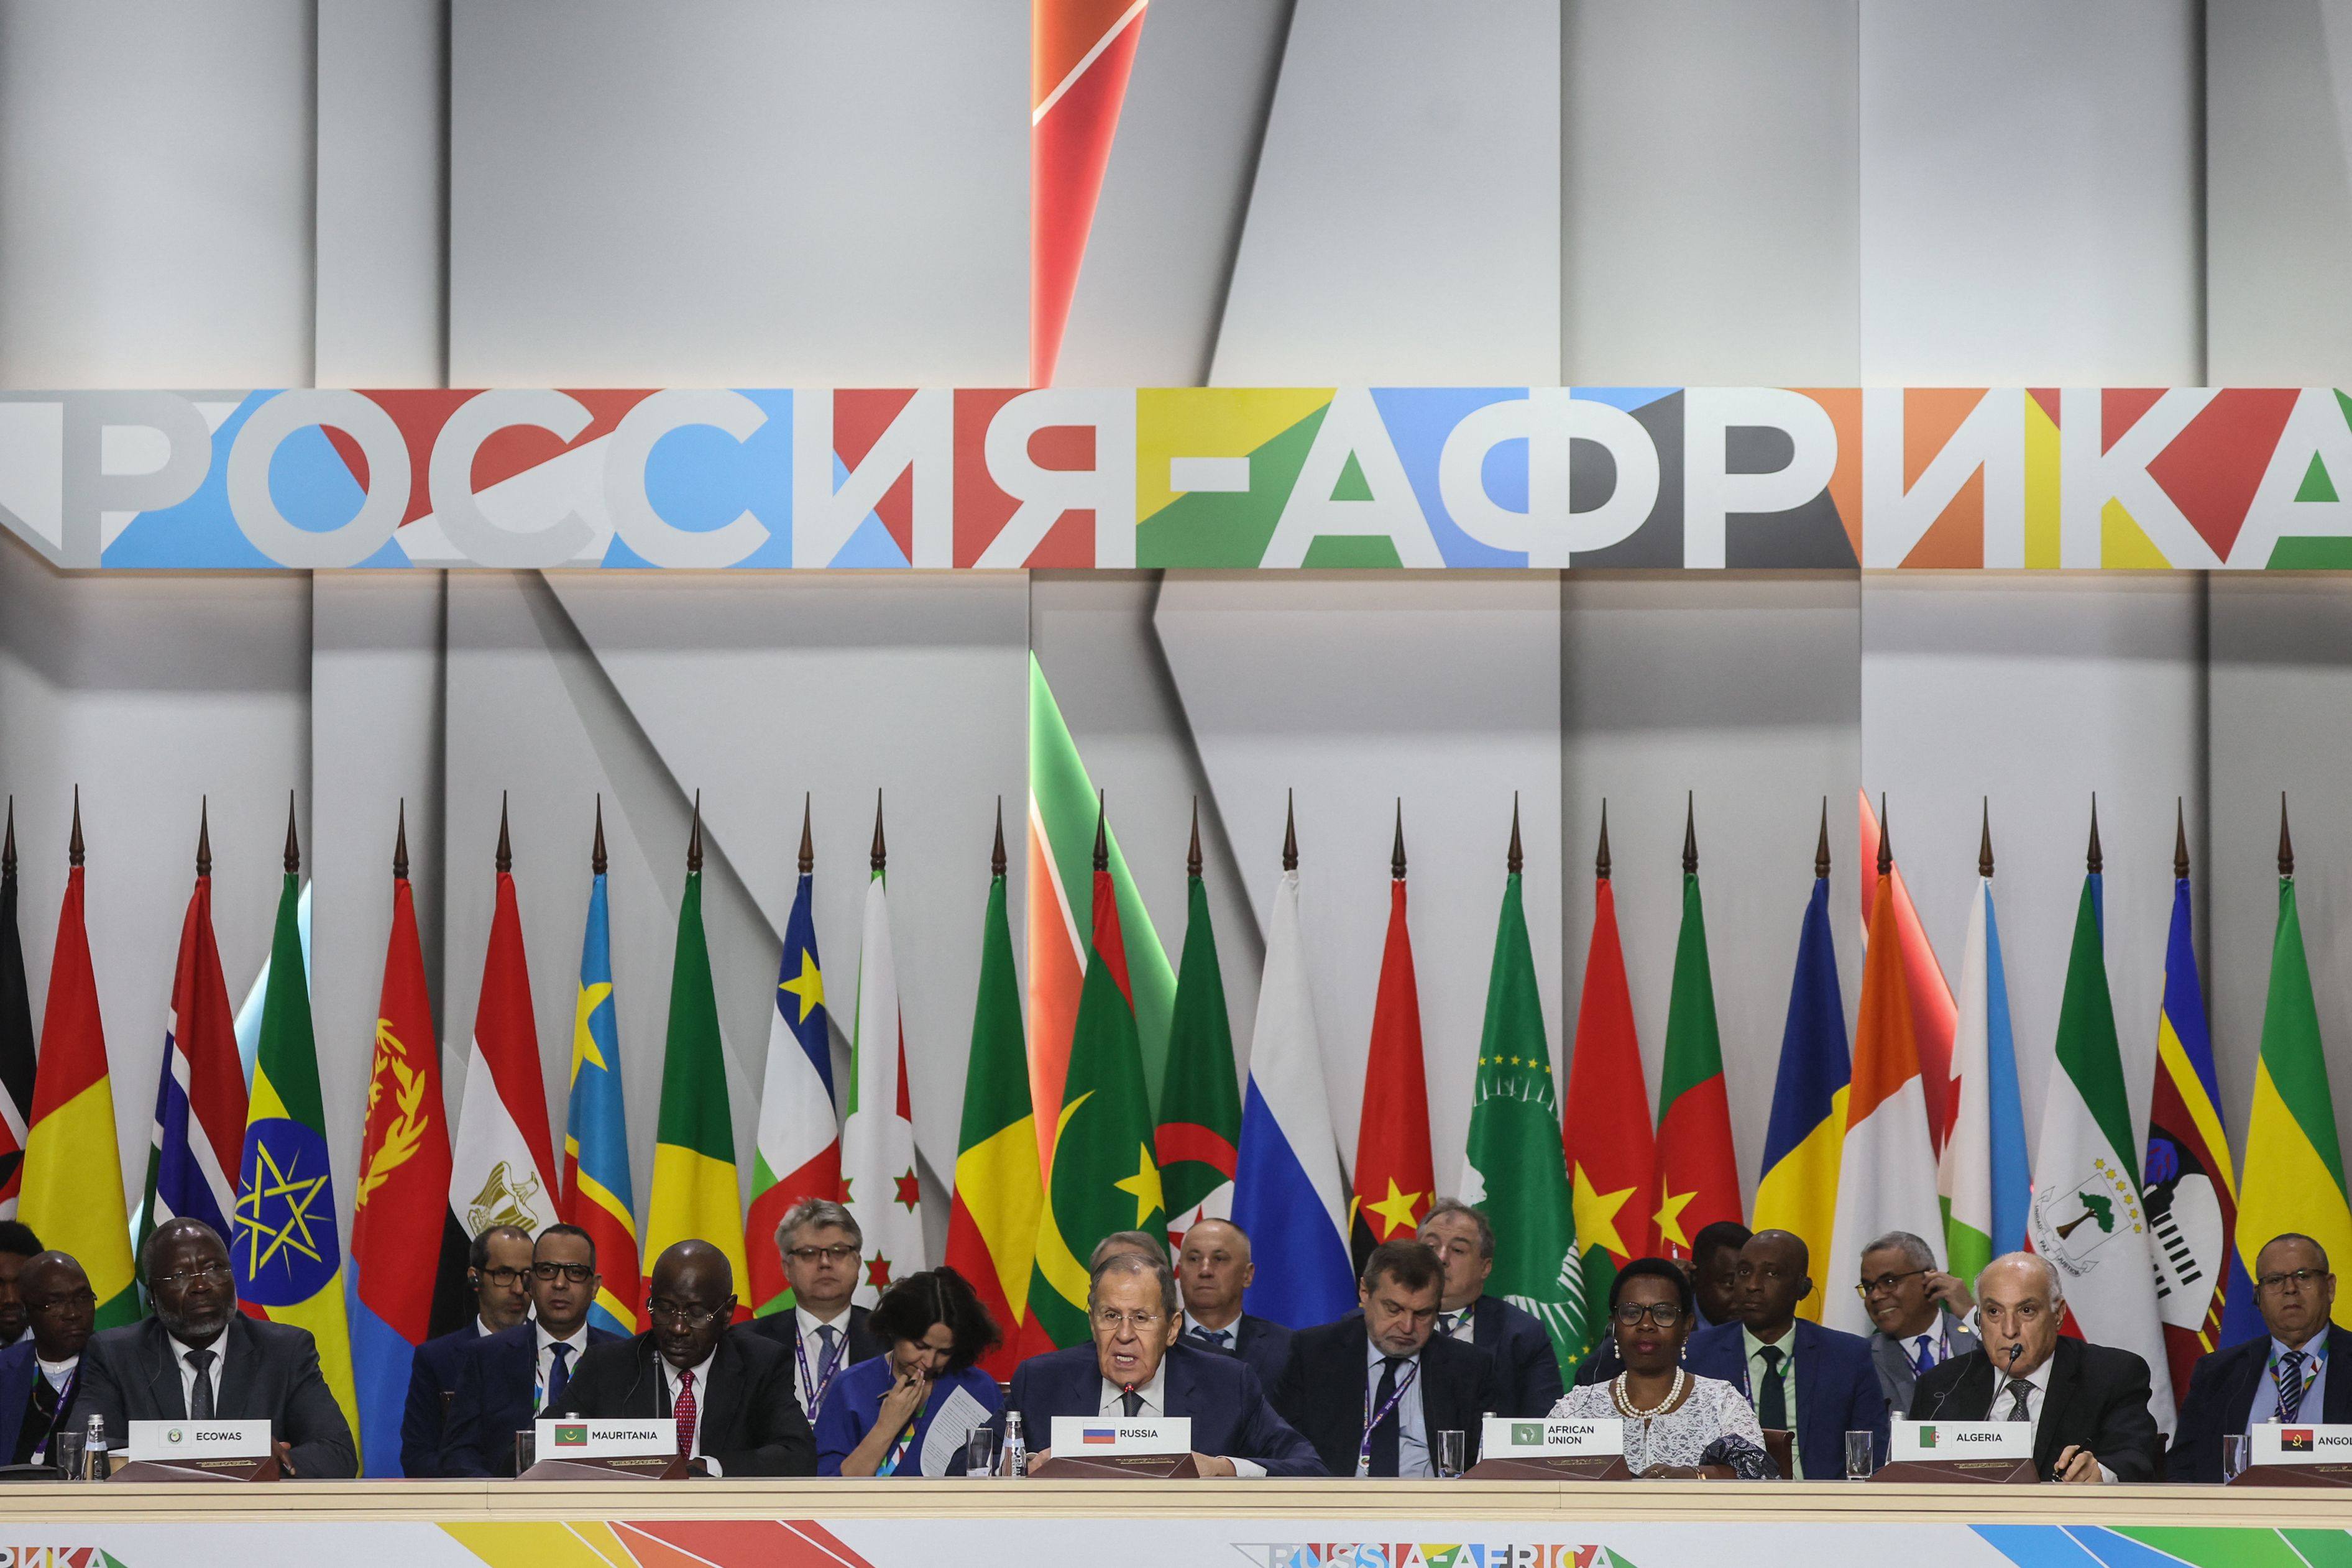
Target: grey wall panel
1405,224
1711,176
1356,691
155,168
1738,695
798,194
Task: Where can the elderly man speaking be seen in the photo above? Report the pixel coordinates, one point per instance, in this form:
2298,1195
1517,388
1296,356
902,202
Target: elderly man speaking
2087,1403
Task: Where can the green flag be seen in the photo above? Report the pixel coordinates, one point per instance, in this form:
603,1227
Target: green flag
1199,1099
1517,1170
1699,1174
696,1194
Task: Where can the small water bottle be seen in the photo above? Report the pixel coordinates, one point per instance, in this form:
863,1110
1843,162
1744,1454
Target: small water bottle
93,1451
1017,1447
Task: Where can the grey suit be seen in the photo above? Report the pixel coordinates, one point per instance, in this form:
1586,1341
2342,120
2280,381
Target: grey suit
268,1370
1892,1361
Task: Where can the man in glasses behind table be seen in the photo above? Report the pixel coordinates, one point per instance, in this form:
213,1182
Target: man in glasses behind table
1921,1313
506,1379
2288,1375
821,1334
498,1270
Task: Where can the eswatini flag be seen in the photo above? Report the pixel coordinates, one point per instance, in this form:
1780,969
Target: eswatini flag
1698,1172
597,1194
1606,1135
797,1154
1395,1176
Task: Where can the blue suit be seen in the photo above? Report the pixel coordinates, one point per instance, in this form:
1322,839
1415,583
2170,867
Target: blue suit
1837,1390
19,1371
1231,1417
432,1382
492,1399
1261,1342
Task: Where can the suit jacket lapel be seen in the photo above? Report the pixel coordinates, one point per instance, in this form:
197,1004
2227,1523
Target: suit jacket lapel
726,1396
240,1368
2057,1400
1804,1338
162,1371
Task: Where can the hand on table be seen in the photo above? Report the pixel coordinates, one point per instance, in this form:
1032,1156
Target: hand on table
286,1459
1214,1465
2078,1465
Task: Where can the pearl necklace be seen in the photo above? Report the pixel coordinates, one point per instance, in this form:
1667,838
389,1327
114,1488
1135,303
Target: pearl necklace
1626,1408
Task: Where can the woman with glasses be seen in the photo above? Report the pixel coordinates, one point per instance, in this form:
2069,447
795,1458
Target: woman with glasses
912,1412
1677,1427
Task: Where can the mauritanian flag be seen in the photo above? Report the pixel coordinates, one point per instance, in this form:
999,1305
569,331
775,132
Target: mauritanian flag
2294,1162
1104,1177
17,1068
2088,1216
1986,1174
597,1195
1805,1140
200,1102
992,1226
1395,1177
1080,54
288,1255
1611,1151
797,1152
73,1166
696,1194
1061,810
1934,1014
502,1169
1699,1169
1886,1168
1199,1137
879,1185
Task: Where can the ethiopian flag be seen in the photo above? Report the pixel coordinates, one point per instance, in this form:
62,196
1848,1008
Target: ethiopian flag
1698,1173
1200,1133
992,1226
287,1255
73,1168
697,1195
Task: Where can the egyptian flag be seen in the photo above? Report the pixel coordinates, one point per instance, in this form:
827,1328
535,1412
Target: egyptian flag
503,1170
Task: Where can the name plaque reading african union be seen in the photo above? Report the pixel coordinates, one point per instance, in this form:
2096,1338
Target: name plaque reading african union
180,1442
1929,1441
1089,1436
563,1439
1584,1436
2283,1443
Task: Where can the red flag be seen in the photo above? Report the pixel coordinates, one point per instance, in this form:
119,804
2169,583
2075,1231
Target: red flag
1935,1015
503,1167
1080,54
1396,1177
1605,1130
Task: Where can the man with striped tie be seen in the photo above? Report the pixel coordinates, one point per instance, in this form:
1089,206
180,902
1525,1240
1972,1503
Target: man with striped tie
2286,1375
1921,1312
1215,1269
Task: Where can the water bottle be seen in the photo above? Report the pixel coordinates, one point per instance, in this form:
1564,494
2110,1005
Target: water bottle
93,1451
1016,1447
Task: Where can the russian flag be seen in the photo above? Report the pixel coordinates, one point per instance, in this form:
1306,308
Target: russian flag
1288,1192
1099,1435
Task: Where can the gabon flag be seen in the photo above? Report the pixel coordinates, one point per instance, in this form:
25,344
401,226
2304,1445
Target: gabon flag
73,1166
1606,1137
1698,1170
993,1225
697,1195
1797,1191
796,1150
1395,1175
400,1216
1198,1141
597,1195
503,1170
15,1030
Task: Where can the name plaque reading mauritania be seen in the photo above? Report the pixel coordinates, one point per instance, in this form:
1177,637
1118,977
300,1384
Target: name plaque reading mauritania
1926,1441
560,1439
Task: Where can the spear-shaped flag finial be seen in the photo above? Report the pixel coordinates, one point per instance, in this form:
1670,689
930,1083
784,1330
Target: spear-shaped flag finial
1102,830
400,844
1192,855
2092,859
1821,849
75,849
1512,858
204,835
293,844
996,855
879,856
598,861
808,844
1984,840
2179,839
1601,860
9,845
1885,839
2286,845
1290,830
1396,851
1690,833
505,861
694,840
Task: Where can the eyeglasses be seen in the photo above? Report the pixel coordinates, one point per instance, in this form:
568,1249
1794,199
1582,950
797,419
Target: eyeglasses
684,1317
1666,1315
1888,1281
578,1273
83,1299
839,1252
505,1279
2302,1279
1112,1320
181,1279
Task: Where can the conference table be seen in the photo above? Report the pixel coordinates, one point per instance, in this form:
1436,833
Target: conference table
1116,1523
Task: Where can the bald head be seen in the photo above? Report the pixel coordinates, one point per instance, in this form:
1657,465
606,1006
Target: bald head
1773,1276
691,1302
1215,1269
59,1304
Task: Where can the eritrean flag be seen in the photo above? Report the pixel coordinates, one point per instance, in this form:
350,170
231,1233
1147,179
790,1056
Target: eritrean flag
597,1196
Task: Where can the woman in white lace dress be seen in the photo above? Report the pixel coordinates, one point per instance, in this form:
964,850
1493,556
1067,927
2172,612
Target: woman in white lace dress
1677,1426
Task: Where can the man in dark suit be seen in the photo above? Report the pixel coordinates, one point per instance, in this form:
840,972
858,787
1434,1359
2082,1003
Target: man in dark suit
1714,1269
821,1333
1372,1391
1212,1271
1915,1305
1136,1368
504,1379
499,1268
18,1247
2289,1376
731,1393
2087,1403
1816,1383
39,1373
199,1358
1525,1366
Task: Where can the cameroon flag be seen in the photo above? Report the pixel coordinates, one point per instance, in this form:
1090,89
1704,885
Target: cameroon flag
1106,1177
1699,1174
697,1195
73,1168
287,1255
1198,1140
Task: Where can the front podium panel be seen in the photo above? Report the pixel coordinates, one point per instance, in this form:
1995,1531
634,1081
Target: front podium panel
1551,1467
1967,1472
1116,1467
250,1468
611,1468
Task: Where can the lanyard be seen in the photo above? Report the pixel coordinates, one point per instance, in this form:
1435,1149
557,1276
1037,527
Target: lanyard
905,1440
832,1365
2312,1365
1364,1448
64,1403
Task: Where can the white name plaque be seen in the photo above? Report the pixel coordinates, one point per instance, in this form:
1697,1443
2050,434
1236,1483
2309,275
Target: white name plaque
1578,1434
1929,1441
186,1440
1076,1436
570,1439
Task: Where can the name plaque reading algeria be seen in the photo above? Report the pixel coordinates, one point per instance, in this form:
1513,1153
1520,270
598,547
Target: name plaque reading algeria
1119,1447
198,1450
2284,1455
1582,1447
1965,1452
642,1449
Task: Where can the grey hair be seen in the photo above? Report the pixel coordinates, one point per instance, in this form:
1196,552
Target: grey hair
1914,1249
2048,1272
1151,1263
818,1211
1445,1206
1125,1242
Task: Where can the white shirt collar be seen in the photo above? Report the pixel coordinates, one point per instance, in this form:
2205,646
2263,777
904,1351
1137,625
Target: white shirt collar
1374,1354
482,1330
1155,1393
578,1339
810,1322
700,1369
57,1372
180,1352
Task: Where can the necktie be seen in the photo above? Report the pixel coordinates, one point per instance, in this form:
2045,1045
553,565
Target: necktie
1214,1338
1445,1323
2290,1385
1131,1402
1385,1430
684,1409
559,1375
1772,1400
832,1338
2018,1389
1925,1360
200,1401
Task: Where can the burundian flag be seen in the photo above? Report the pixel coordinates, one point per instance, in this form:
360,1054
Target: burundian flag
879,1184
696,1194
287,1252
796,1153
597,1195
1805,1139
1985,1178
73,1166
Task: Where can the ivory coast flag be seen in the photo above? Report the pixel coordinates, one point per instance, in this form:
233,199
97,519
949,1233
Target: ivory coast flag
993,1225
288,1255
73,1168
1804,1142
2294,1164
1934,1014
697,1195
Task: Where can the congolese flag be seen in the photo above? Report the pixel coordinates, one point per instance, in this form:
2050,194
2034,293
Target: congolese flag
288,1254
1798,1189
1199,1138
796,1152
1698,1170
597,1195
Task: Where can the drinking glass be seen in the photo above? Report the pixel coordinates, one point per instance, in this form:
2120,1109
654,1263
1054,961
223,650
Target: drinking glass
69,1451
980,1453
2233,1456
1860,1455
1447,1459
526,1449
